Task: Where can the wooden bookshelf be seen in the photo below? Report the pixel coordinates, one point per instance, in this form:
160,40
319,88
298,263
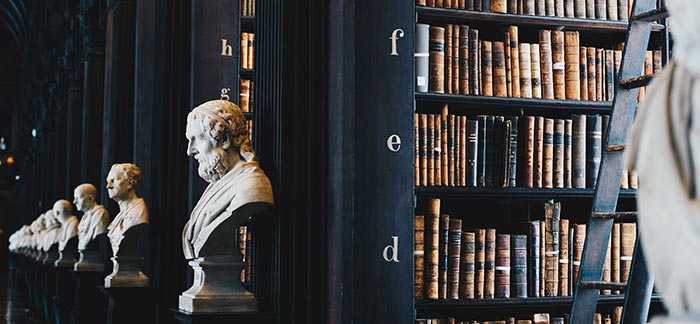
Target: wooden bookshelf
537,303
518,194
466,102
247,74
247,24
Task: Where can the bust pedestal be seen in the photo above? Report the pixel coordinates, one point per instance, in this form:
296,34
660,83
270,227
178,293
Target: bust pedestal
64,294
90,258
184,317
126,270
51,255
129,305
89,306
66,257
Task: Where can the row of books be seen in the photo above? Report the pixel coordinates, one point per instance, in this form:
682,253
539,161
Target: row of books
248,8
584,9
245,98
510,151
453,59
247,50
245,237
249,127
538,318
452,261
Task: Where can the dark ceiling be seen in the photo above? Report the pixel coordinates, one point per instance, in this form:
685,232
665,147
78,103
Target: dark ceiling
13,30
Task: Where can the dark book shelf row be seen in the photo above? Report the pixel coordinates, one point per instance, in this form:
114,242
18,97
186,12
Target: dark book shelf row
440,15
537,303
247,74
515,194
468,103
248,115
247,24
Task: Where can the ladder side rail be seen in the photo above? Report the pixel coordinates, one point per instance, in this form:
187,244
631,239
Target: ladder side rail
640,286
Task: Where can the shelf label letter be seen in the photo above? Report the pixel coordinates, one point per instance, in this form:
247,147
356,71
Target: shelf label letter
393,143
224,93
399,32
394,250
226,50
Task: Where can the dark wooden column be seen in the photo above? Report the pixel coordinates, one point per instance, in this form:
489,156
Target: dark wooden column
73,138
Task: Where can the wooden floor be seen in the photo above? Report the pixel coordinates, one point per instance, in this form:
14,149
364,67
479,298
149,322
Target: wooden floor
13,308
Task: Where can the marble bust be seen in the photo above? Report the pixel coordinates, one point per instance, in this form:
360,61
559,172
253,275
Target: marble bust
67,237
50,236
93,224
238,189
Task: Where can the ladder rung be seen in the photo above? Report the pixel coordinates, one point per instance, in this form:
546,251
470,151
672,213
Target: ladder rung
652,15
602,285
613,215
637,82
618,147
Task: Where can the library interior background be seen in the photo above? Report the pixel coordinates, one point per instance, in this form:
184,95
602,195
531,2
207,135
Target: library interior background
349,161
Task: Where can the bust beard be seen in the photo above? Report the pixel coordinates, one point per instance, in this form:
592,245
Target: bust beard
213,166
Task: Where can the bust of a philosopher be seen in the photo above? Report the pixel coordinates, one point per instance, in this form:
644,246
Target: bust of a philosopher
122,184
95,218
69,223
219,141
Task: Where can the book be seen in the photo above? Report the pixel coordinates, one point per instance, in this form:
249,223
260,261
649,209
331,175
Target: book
423,124
486,68
590,9
530,151
453,262
600,73
583,72
601,9
558,65
519,261
490,263
535,71
437,60
579,241
444,150
569,10
509,68
525,72
443,256
251,50
472,148
559,8
244,50
547,78
451,140
528,7
592,74
416,149
437,150
464,59
540,8
606,267
479,273
540,318
502,267
458,151
421,3
499,6
474,65
463,151
485,5
500,88
568,166
628,236
244,97
612,10
538,166
514,71
448,57
622,10
572,62
512,155
431,149
512,6
609,75
548,153
422,53
418,255
456,35
481,151
466,280
543,260
563,257
580,8
549,8
552,216
491,146
533,273
432,229
593,149
615,255
558,176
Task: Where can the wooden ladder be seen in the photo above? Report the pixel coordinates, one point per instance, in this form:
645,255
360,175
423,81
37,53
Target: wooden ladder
640,283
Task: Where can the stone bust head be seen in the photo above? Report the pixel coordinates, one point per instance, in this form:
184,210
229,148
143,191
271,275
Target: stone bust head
218,138
84,197
62,209
123,181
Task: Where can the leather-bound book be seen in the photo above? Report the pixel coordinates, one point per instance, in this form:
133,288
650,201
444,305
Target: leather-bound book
542,318
529,7
580,8
579,241
453,262
535,71
600,74
444,255
547,79
633,179
597,319
509,68
478,5
486,68
538,167
572,62
583,72
481,151
563,257
557,320
244,97
423,125
248,254
657,62
617,315
437,154
458,150
490,264
421,57
500,88
568,166
437,59
525,72
418,255
440,3
559,8
601,9
523,322
431,149
512,156
543,261
512,7
529,151
549,8
244,50
463,59
606,267
472,148
552,216
469,4
592,74
534,256
448,58
548,152
251,50
444,147
474,65
612,10
590,9
558,177
456,29
486,5
615,255
628,236
540,8
558,65
422,3
491,146
569,10
463,151
514,49
447,4
451,150
503,266
479,273
432,251
624,179
500,6
519,261
593,148
430,3
466,279
622,10
610,74
416,149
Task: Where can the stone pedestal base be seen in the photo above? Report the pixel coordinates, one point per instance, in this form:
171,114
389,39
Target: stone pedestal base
126,272
127,305
89,261
217,287
65,260
89,306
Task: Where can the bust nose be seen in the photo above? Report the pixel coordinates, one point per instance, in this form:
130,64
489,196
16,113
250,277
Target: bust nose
190,148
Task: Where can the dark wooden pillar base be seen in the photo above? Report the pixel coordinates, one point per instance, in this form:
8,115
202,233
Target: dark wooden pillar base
128,305
89,305
48,292
64,295
221,318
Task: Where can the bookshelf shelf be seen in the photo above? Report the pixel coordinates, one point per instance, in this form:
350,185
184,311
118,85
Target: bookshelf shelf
247,74
511,193
515,104
248,24
538,303
440,15
248,115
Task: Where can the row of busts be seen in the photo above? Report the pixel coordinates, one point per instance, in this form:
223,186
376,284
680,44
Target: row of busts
57,236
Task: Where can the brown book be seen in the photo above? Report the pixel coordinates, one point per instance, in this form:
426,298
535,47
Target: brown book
538,167
444,236
418,255
551,215
437,59
601,9
479,273
503,266
606,267
558,177
444,167
540,318
530,151
451,149
430,3
543,261
525,72
558,65
540,8
509,68
453,262
242,246
248,253
579,241
458,150
615,255
583,72
244,50
617,313
559,8
464,59
499,6
466,280
633,179
535,70
440,3
592,74
437,150
245,95
628,236
547,79
600,74
490,263
455,58
474,65
432,240
500,88
624,179
657,62
463,151
568,153
423,123
572,62
416,149
548,153
514,48
612,10
448,58
431,149
447,4
563,257
421,3
251,50
486,68
513,6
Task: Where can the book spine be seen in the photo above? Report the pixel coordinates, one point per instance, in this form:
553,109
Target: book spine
593,148
453,263
543,259
490,264
578,154
244,98
572,62
540,318
472,144
559,8
437,60
423,124
244,50
538,167
490,149
509,68
463,151
519,246
486,5
440,3
628,236
456,34
558,65
557,320
500,88
559,153
430,3
606,267
564,257
533,282
609,74
600,74
580,8
451,149
481,151
540,8
568,131
530,151
480,263
458,150
604,127
431,149
617,315
622,10
592,74
437,151
612,10
486,68
448,58
421,56
548,152
657,62
513,7
444,149
634,179
432,241
416,149
474,62
447,4
503,266
547,79
535,70
600,9
525,72
569,10
422,3
251,50
590,9
583,72
464,59
552,249
615,255
529,7
579,241
466,280
477,5
514,49
444,254
549,8
499,6
418,255
513,152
